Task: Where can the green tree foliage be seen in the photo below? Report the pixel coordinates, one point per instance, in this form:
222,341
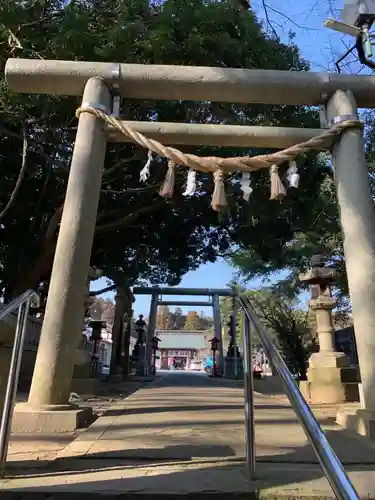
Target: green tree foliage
103,309
322,235
177,320
288,325
139,236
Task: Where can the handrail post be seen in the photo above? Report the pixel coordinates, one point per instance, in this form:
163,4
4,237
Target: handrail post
249,398
331,465
235,346
11,390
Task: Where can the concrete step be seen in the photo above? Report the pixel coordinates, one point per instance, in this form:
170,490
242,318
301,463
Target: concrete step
195,480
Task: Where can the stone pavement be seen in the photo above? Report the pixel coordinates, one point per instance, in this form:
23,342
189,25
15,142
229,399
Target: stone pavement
24,448
184,435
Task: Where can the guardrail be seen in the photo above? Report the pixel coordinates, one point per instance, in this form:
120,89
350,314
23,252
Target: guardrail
331,465
22,304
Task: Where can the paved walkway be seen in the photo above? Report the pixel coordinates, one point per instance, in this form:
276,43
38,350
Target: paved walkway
184,434
24,448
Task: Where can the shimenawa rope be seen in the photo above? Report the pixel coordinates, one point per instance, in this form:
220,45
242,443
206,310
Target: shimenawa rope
223,166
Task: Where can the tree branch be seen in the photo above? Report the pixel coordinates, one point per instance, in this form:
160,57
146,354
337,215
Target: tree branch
36,145
117,165
53,223
265,8
20,176
103,290
128,218
131,190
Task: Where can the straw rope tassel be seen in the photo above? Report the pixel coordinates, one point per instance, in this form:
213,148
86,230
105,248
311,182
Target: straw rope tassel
219,200
278,191
145,172
293,175
246,186
167,189
191,184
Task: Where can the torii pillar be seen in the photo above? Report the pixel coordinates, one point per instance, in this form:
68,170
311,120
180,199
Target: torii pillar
358,226
48,408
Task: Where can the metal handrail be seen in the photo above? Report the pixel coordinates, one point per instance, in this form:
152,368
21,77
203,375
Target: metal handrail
22,303
15,304
331,465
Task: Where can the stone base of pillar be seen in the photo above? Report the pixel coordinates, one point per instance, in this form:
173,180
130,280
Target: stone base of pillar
30,420
141,368
82,362
83,371
330,385
229,364
318,393
330,379
116,378
360,421
85,385
139,360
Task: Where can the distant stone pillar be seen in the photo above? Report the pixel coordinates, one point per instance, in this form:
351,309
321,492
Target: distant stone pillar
330,379
139,351
151,334
218,334
118,331
82,360
233,366
125,346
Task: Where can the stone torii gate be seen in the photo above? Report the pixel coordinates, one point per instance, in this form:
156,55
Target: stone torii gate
157,300
99,83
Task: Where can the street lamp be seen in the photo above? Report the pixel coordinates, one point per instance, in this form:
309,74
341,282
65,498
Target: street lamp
357,17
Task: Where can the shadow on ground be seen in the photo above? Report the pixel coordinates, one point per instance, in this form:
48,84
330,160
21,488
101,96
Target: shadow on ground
169,478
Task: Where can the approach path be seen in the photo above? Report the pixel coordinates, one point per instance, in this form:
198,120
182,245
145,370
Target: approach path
184,433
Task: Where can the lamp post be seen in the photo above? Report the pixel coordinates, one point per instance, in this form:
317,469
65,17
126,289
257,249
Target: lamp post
214,347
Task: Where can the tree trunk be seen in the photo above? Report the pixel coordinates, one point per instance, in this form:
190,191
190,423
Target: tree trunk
39,272
41,269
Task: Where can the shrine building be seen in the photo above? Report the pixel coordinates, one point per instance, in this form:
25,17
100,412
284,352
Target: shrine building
177,348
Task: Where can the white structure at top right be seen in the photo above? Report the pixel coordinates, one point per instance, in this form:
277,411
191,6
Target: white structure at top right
357,17
355,10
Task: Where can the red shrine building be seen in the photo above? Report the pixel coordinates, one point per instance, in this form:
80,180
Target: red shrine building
178,348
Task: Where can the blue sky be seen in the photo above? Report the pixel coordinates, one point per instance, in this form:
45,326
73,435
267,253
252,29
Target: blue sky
216,275
318,45
211,275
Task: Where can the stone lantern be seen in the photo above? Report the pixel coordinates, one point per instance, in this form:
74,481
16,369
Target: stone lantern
233,366
140,330
139,351
330,379
82,376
